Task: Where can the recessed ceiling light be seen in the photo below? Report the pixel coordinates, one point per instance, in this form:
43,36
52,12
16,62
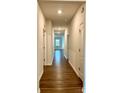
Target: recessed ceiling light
59,11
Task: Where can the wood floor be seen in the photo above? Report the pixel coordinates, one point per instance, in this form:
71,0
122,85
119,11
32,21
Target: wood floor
60,77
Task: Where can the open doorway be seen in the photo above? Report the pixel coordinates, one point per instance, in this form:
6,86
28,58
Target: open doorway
58,40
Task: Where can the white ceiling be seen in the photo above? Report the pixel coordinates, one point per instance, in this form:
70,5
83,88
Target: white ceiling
68,10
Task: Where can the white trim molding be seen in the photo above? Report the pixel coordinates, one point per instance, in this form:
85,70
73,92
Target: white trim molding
83,90
65,56
50,63
38,89
73,68
52,59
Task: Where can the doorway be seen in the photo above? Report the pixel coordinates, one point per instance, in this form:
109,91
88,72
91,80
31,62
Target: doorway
59,40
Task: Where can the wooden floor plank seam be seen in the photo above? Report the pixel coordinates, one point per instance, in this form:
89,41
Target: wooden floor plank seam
60,77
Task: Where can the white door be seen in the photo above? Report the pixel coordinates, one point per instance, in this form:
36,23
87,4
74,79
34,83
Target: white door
81,51
44,47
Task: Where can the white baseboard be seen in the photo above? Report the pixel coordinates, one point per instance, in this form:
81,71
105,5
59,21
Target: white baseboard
38,89
52,59
74,68
49,64
65,56
39,77
76,73
83,90
81,76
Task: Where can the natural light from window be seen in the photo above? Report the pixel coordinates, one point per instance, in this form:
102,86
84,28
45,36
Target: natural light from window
57,42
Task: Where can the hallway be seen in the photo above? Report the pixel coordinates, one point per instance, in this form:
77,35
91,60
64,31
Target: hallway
60,77
61,45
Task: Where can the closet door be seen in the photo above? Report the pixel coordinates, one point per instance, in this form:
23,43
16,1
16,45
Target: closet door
44,46
81,51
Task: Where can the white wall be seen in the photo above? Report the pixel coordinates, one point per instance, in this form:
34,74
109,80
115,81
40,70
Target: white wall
75,37
40,24
49,43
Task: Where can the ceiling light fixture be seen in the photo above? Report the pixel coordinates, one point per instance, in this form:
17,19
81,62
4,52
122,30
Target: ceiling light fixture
59,11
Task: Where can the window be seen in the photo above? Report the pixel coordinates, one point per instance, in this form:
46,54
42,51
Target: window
57,42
